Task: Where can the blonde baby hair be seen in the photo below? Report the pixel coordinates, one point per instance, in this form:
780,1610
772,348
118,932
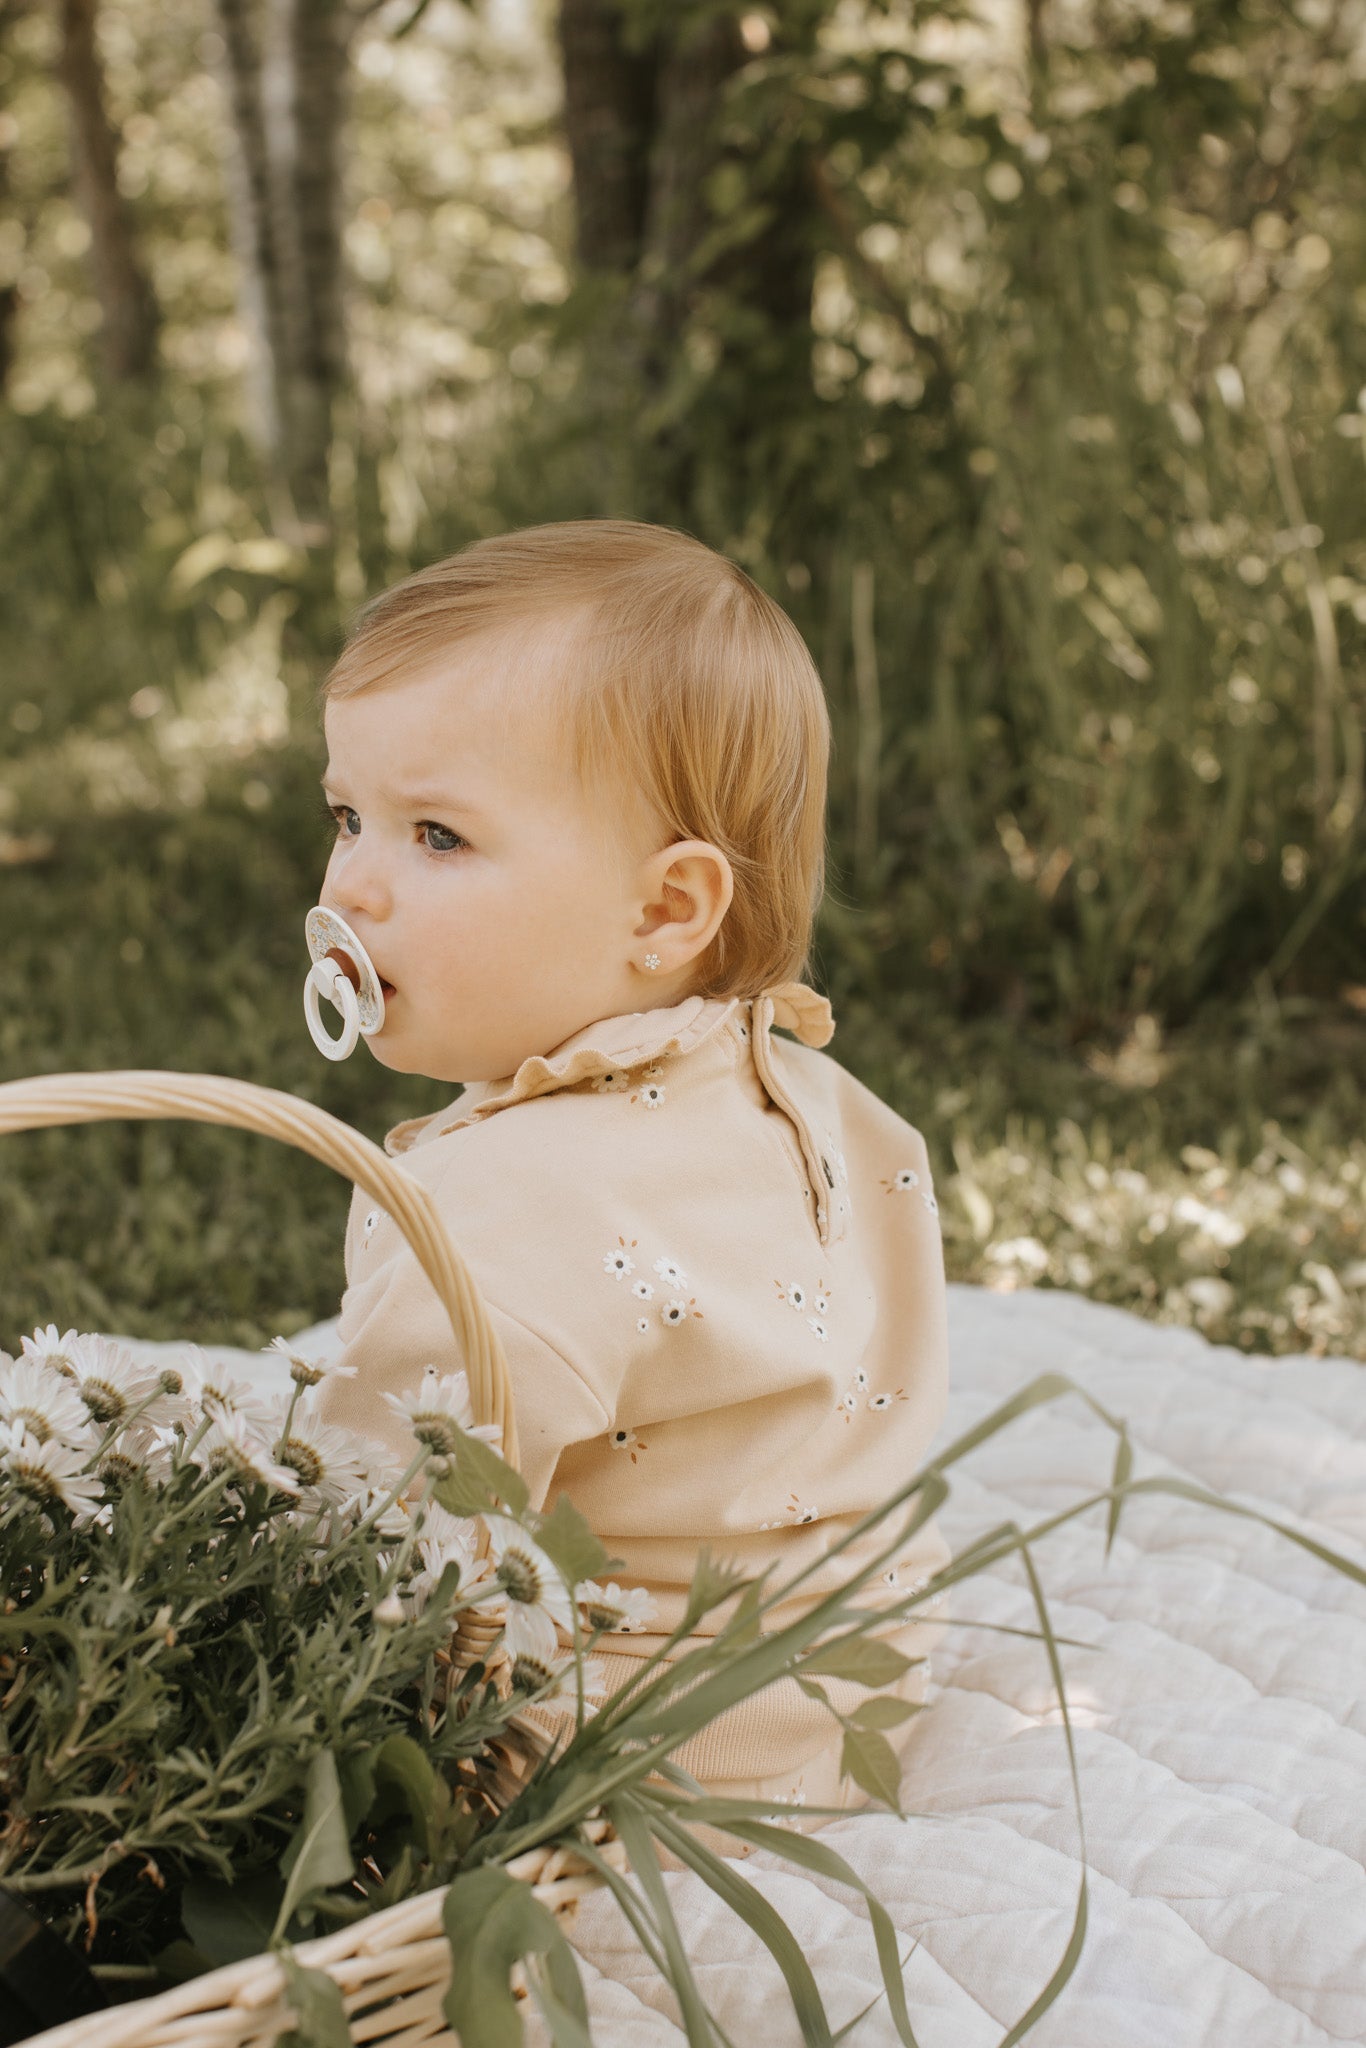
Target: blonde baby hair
699,695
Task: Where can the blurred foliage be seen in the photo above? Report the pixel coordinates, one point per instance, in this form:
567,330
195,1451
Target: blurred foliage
1069,513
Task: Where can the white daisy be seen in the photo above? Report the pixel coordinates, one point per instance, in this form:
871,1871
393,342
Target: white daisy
626,1440
611,1084
141,1454
820,1301
49,1472
326,1461
557,1678
440,1410
393,1523
537,1598
860,1379
902,1181
651,1095
207,1389
309,1372
642,1290
625,1610
670,1272
445,1539
111,1381
618,1263
642,1324
794,1294
675,1312
47,1348
848,1404
231,1444
930,1203
46,1403
818,1329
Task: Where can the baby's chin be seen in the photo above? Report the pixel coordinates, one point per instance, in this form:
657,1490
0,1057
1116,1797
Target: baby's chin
384,1049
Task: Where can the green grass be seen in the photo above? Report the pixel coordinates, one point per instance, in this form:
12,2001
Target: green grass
1214,1177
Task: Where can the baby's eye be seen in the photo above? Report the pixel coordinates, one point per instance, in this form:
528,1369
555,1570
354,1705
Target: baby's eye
446,833
339,813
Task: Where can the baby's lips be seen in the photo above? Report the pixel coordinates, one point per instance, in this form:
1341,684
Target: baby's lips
352,972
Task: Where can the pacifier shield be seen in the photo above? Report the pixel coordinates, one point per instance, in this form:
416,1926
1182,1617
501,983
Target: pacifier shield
327,933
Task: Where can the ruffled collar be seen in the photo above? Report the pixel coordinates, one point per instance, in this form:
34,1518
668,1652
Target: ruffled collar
625,1041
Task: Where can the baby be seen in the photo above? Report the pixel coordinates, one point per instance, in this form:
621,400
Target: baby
578,774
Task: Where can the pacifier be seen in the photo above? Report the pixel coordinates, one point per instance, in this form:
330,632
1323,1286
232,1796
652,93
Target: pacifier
361,1002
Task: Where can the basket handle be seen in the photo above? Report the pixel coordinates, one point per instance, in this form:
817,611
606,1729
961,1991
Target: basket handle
48,1099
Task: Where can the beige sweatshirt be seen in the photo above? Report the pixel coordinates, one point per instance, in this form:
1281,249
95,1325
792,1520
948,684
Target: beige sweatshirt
713,1259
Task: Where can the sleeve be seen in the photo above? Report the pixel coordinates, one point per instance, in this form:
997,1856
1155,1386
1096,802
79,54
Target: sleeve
392,1325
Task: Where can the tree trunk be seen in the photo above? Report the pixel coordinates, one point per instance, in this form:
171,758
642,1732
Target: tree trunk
645,133
128,333
9,293
608,116
286,79
259,290
306,64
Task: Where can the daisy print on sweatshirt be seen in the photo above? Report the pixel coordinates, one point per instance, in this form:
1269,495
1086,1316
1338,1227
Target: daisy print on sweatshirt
796,1514
859,1395
618,1262
812,1304
649,1089
904,1181
669,1302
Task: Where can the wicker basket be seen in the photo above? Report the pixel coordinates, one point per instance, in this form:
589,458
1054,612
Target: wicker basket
393,1967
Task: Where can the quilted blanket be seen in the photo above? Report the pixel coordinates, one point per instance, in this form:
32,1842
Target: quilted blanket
1219,1710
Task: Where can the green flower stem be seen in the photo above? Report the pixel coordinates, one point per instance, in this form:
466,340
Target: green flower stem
383,1507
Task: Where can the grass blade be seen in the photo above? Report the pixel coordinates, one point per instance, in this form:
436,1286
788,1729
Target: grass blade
754,1909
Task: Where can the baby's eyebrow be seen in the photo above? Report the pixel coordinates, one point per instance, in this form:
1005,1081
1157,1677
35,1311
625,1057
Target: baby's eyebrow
440,798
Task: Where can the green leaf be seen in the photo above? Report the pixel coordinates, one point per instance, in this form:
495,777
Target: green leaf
1124,1465
492,1921
755,1910
227,1922
401,1766
711,1583
869,1759
809,1853
320,1853
566,2031
357,1774
885,1712
570,1544
481,1481
633,1827
744,1625
317,2002
864,1659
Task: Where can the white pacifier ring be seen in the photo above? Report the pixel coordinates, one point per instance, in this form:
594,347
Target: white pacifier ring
362,1006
